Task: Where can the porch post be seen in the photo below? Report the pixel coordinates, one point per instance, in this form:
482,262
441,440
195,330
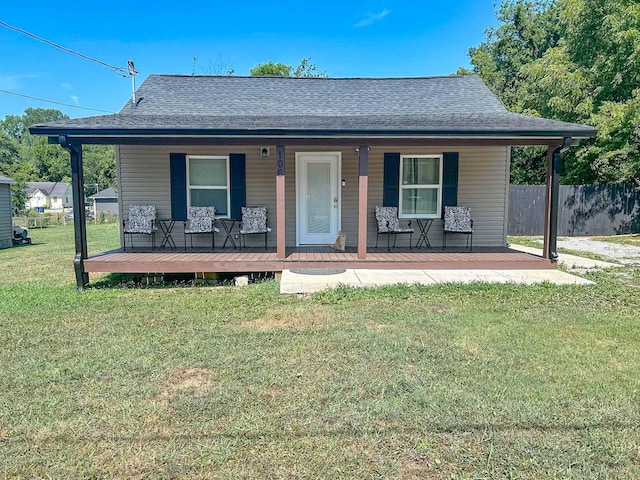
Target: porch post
80,229
363,186
553,193
547,208
281,232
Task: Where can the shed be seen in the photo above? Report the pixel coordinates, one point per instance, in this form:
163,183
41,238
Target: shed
6,212
105,201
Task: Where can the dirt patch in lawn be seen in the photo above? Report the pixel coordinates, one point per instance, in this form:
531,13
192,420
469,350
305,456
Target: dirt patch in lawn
196,380
300,319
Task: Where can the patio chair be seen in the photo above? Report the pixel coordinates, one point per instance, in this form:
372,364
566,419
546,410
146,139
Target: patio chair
389,224
141,221
458,220
253,222
200,220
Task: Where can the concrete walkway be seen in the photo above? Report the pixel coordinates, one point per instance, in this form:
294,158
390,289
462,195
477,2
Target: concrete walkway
572,262
314,280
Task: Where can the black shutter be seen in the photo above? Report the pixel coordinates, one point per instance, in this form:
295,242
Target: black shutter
391,182
449,180
178,172
237,174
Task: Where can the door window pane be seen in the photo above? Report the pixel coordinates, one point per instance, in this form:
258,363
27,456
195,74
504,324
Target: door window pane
319,201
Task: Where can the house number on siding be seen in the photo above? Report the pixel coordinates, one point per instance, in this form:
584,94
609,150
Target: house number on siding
279,162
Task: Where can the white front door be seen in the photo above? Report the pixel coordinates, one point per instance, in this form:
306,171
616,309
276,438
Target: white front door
317,197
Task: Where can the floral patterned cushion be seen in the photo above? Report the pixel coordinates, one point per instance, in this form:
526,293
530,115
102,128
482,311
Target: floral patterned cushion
201,220
458,219
141,219
254,220
388,222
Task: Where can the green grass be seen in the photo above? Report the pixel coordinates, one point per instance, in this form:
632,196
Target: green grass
447,381
632,239
536,242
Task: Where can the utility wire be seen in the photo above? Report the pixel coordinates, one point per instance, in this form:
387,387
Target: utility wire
52,101
117,70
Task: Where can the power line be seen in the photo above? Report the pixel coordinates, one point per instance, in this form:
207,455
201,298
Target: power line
117,70
53,101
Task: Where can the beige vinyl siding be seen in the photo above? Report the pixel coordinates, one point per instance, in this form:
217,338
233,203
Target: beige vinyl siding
5,216
482,185
144,179
483,181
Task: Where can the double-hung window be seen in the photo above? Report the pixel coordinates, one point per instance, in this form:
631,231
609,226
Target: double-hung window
208,183
420,186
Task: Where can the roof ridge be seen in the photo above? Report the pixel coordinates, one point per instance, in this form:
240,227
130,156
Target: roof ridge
425,77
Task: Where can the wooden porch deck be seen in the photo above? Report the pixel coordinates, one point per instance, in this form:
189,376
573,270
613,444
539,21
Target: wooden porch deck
261,260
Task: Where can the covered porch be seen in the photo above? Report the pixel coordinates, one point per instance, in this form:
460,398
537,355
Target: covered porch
284,250
145,260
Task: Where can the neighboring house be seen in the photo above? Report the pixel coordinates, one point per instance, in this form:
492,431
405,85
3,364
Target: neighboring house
105,201
320,154
6,217
49,195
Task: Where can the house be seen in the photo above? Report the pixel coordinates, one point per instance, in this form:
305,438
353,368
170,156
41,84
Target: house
49,195
6,212
320,154
105,201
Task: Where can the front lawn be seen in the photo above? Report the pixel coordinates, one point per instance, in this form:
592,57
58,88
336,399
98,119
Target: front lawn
447,381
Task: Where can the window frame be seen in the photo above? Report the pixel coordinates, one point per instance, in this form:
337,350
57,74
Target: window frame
209,187
437,187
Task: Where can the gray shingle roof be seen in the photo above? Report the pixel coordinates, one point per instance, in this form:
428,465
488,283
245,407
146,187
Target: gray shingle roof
50,189
324,97
6,180
209,105
106,193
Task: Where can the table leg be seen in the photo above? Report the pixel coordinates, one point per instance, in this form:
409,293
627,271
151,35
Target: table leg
424,227
167,238
227,230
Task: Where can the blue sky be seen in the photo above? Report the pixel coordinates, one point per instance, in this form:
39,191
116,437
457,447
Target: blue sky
385,38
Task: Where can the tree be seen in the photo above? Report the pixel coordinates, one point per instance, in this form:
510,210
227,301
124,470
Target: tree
615,153
307,70
17,126
272,69
99,168
603,36
8,153
25,157
570,60
11,166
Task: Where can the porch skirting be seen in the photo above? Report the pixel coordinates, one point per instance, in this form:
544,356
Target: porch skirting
259,260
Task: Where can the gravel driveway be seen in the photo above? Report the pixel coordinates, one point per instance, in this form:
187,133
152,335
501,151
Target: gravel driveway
626,254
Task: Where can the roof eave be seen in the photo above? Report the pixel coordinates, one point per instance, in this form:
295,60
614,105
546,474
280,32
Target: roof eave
309,133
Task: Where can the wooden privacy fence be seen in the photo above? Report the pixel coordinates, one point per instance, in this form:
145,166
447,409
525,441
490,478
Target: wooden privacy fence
584,210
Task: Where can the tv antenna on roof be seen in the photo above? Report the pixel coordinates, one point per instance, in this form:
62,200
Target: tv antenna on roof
132,73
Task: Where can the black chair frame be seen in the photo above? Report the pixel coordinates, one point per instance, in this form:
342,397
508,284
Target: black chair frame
388,233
